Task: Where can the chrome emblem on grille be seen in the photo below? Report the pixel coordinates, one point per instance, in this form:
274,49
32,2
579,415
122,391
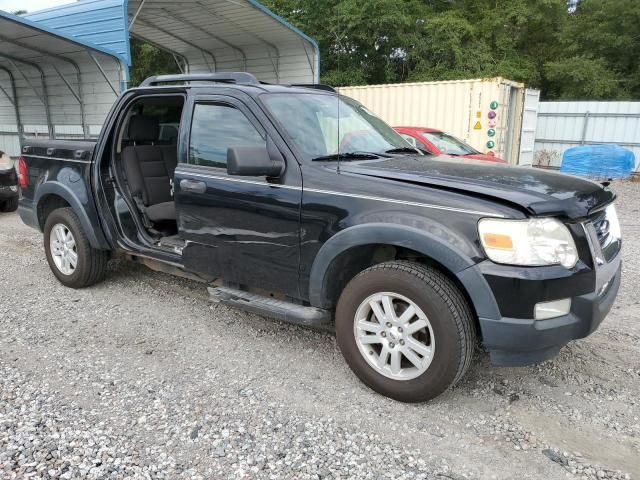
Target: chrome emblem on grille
602,227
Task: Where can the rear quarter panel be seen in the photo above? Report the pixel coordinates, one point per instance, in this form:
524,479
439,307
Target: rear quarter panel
60,168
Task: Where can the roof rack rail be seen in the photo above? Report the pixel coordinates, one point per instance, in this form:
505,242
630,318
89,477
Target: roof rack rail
225,77
316,86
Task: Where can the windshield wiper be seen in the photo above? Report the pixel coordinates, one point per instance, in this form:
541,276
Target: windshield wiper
404,150
348,156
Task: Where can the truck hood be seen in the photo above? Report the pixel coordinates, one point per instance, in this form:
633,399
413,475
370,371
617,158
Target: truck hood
539,192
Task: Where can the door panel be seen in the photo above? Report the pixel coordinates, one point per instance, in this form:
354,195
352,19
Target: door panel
243,229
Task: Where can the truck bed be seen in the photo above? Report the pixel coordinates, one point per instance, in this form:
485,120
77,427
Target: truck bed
60,149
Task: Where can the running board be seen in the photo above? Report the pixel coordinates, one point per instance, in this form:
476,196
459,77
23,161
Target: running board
312,317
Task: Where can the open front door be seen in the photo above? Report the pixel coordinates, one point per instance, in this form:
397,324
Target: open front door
242,229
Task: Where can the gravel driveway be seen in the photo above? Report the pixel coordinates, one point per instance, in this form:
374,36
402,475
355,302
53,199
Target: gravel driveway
142,377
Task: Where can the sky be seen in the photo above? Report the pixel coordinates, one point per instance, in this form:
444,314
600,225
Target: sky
30,5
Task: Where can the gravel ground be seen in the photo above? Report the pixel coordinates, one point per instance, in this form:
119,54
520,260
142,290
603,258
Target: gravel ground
141,377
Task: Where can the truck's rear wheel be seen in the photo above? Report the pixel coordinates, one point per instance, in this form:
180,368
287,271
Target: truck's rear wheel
72,259
405,330
10,205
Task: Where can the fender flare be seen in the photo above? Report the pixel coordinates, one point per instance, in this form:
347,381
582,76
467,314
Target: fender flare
94,235
452,258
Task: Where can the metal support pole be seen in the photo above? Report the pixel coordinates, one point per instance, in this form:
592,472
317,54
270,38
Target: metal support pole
80,96
226,20
44,98
15,101
174,15
275,63
9,97
175,59
584,127
204,58
83,115
187,42
115,90
310,60
175,54
62,77
135,15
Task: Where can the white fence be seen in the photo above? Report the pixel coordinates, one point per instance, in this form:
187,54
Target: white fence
562,125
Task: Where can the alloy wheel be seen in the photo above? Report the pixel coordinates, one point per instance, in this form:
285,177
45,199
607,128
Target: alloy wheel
394,336
63,249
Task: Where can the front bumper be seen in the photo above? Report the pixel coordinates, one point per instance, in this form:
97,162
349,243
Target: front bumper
8,184
514,337
8,192
517,342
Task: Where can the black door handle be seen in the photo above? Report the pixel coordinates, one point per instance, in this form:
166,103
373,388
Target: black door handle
193,186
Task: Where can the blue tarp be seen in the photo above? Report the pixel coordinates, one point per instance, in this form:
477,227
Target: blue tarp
598,161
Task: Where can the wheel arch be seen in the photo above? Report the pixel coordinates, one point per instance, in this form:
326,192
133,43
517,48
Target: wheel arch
53,195
352,243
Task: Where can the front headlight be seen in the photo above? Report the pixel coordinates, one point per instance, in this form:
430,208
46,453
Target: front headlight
533,242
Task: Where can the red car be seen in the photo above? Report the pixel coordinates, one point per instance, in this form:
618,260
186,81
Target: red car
437,142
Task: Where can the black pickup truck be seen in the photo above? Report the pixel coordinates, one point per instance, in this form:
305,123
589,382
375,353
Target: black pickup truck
300,204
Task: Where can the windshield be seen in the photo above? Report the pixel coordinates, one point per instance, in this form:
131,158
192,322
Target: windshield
313,123
448,144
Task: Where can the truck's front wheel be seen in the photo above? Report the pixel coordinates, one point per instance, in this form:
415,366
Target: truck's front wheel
72,259
405,330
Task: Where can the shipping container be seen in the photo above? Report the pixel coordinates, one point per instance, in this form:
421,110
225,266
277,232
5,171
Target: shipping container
492,115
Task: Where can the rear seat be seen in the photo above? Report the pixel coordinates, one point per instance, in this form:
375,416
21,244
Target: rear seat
150,168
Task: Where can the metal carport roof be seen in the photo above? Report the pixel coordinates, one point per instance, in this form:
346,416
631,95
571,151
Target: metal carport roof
52,84
203,35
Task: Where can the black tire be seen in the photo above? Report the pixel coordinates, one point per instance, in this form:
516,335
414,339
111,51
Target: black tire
10,205
92,263
444,305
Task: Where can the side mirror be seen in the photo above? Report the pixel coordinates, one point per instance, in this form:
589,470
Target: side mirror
262,161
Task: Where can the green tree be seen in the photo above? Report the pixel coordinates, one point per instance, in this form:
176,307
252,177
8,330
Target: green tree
590,54
582,78
148,60
603,37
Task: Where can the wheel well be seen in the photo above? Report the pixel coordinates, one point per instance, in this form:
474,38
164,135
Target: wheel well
48,204
354,260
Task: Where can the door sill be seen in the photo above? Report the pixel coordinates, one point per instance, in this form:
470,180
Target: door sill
165,266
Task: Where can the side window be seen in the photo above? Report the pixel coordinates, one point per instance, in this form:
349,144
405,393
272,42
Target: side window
215,128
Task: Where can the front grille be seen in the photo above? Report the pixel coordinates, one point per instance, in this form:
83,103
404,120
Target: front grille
602,226
607,228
